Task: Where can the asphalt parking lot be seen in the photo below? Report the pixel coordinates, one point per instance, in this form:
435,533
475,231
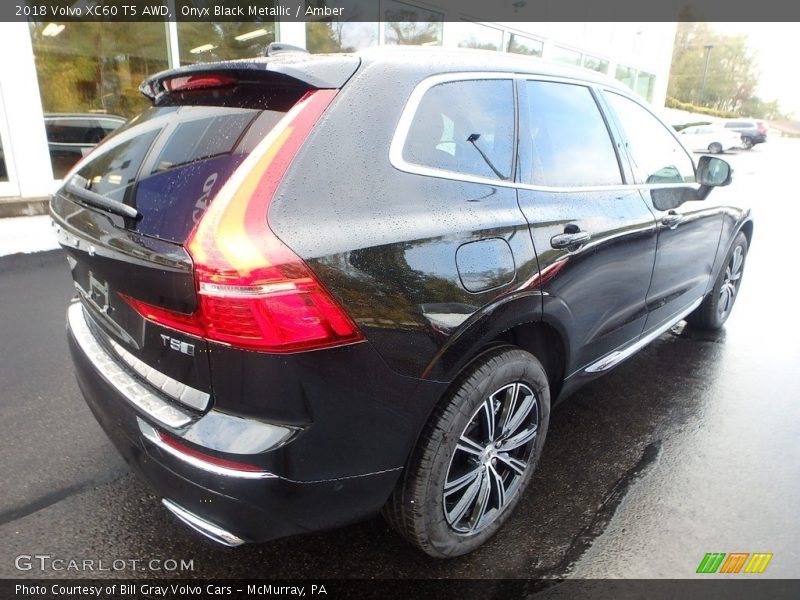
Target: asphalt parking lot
692,446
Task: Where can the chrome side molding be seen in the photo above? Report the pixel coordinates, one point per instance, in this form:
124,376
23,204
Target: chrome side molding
616,357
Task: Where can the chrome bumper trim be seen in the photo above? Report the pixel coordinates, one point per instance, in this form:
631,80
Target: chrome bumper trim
616,357
130,388
202,526
176,390
152,436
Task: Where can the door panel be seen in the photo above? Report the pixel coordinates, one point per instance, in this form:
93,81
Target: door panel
598,289
596,247
688,229
688,236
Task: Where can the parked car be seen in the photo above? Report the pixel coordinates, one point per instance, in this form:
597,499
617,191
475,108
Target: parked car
710,138
315,288
752,132
71,136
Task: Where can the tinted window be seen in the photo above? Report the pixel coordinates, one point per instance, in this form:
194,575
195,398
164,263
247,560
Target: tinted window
112,172
569,140
170,162
203,137
466,127
660,158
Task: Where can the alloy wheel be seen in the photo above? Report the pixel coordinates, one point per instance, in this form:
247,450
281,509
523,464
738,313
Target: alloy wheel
491,458
730,282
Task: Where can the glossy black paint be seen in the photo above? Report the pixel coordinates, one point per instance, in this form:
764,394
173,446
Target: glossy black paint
106,261
433,270
597,295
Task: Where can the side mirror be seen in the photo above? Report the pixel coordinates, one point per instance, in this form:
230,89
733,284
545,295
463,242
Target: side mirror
713,172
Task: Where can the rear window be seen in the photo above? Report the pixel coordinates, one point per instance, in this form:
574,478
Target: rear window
170,161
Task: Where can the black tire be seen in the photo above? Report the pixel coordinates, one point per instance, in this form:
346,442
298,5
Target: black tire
747,142
718,304
715,148
444,455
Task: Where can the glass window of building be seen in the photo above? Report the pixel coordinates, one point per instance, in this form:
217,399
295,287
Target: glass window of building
626,75
645,83
595,64
406,24
87,70
201,42
566,56
360,30
481,37
519,44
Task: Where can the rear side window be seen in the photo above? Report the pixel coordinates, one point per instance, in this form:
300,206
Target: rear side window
465,127
564,138
170,161
659,157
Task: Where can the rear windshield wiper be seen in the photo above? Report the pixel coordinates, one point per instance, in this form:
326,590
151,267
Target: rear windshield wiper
77,186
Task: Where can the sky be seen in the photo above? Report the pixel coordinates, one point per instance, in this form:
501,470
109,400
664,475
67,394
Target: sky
777,47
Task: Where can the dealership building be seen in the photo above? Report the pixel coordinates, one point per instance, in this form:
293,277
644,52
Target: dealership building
63,84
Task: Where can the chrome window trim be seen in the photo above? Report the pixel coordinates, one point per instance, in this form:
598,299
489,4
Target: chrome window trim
412,105
112,373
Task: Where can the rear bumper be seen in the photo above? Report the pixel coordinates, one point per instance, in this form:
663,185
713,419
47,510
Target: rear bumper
224,505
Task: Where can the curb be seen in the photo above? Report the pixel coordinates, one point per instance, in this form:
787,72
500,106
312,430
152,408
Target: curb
23,207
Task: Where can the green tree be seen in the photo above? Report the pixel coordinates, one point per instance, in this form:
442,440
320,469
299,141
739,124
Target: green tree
729,81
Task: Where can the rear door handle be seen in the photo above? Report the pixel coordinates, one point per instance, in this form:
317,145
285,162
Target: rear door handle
565,240
671,219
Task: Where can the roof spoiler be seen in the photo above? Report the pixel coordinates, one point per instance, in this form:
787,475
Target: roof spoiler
286,67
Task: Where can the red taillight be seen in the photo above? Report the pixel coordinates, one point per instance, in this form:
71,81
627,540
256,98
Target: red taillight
206,458
254,292
199,81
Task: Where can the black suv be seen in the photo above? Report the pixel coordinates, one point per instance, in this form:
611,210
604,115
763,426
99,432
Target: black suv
311,288
753,132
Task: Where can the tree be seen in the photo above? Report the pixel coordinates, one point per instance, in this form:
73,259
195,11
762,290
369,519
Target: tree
731,77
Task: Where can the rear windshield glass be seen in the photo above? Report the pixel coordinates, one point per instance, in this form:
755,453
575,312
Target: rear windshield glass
170,161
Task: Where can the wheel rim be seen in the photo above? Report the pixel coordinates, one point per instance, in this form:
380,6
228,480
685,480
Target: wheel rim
715,148
491,458
748,143
730,282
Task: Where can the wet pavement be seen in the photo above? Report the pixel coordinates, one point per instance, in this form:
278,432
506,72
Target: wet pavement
689,447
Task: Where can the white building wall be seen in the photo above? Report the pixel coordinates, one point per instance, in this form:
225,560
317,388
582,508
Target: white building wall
27,154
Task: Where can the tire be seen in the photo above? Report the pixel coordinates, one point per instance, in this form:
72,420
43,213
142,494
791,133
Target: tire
456,449
747,142
715,148
718,304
